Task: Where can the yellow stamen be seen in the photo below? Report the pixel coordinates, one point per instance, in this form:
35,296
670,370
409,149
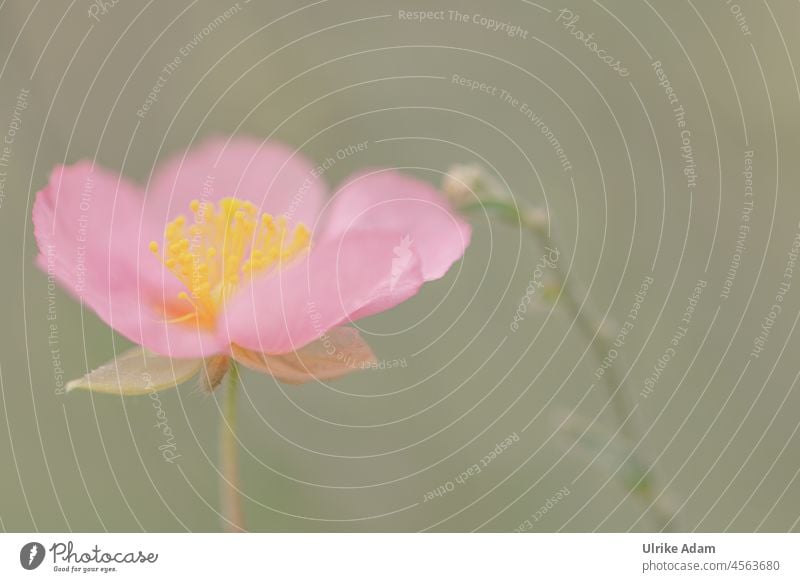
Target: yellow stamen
221,248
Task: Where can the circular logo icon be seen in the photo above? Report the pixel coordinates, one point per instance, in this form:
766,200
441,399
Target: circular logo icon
31,555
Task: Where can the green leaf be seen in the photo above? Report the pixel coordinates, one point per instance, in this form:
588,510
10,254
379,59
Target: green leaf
138,371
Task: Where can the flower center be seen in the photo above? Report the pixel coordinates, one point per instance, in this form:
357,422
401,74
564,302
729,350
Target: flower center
219,249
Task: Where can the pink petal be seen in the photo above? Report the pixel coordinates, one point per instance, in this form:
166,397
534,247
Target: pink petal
339,352
338,281
87,226
275,178
385,199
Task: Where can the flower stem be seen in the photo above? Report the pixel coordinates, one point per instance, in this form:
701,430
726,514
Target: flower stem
601,344
591,326
230,501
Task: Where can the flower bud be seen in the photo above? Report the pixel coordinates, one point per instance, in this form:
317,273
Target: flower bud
460,183
469,183
535,217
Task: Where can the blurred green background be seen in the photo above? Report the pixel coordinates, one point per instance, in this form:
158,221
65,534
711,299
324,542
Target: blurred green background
361,454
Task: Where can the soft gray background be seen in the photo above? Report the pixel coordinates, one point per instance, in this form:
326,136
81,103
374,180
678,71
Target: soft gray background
361,455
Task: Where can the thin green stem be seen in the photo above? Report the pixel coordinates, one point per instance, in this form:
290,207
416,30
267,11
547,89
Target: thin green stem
586,320
230,501
600,342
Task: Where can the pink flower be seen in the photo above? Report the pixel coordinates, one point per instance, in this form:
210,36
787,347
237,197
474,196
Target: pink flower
234,251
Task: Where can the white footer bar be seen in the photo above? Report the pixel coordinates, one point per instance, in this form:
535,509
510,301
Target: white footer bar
389,557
